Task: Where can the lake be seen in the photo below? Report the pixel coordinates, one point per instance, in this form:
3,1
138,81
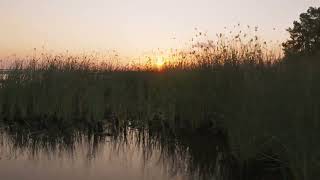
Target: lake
80,156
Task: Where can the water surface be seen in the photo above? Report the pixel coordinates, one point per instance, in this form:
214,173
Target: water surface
80,157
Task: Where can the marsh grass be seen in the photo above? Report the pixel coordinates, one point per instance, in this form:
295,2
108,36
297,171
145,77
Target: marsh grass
256,97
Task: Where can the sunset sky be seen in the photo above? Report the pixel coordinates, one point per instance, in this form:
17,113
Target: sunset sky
134,26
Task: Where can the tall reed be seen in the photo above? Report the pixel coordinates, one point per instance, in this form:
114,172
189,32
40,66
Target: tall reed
263,100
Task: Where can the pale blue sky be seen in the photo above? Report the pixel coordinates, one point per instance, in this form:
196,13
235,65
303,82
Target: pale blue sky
133,26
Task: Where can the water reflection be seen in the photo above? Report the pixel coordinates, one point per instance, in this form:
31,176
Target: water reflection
122,153
77,156
127,153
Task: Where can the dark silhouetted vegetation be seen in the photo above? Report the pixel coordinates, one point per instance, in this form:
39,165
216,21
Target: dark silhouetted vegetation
305,34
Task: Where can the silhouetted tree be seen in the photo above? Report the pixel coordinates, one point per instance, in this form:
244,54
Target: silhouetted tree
305,34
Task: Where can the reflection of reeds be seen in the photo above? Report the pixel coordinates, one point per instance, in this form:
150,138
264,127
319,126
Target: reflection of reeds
234,84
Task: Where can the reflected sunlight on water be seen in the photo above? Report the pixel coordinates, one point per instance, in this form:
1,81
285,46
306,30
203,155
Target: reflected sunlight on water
86,158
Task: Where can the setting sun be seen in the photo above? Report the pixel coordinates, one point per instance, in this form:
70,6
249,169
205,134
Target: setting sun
160,61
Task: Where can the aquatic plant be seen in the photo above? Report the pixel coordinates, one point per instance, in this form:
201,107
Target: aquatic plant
231,86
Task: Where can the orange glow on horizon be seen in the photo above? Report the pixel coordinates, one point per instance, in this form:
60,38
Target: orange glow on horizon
160,62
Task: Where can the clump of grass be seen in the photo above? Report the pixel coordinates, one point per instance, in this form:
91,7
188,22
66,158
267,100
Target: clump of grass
237,84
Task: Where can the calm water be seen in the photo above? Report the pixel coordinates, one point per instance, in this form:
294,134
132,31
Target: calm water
40,156
125,154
